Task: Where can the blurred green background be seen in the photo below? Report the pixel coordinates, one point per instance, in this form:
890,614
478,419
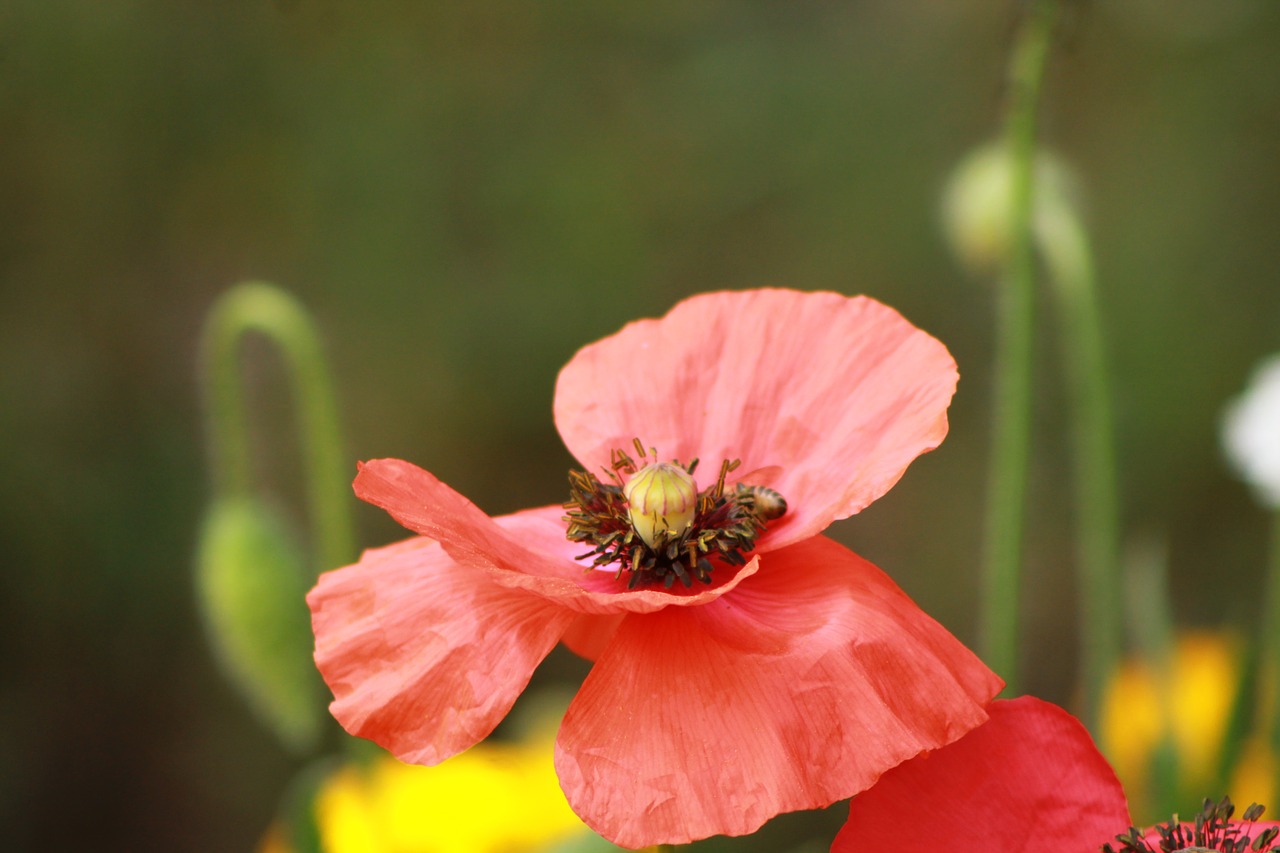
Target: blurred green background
464,194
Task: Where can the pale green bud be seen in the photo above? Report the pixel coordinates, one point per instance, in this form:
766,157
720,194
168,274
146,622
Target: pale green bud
252,586
661,497
977,205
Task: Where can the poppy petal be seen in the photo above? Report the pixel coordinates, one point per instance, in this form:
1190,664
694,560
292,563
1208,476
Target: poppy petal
829,396
425,656
1030,779
800,689
589,635
523,551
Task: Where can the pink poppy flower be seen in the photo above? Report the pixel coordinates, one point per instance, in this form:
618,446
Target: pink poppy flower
744,665
1030,779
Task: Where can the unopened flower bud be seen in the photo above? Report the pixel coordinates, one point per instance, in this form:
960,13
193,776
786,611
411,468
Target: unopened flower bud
251,579
977,207
662,497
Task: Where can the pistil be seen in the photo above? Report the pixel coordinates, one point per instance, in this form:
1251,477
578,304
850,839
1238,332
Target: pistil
662,502
650,520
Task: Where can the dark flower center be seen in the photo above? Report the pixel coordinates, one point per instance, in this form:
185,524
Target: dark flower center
1212,830
649,519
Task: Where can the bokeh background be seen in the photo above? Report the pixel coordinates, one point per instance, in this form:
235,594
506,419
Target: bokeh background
463,194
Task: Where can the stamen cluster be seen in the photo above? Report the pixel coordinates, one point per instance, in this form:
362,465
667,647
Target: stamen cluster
725,525
1213,830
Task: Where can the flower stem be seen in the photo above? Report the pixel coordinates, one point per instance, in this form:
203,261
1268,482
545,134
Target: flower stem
1268,715
1149,614
1065,247
1011,440
267,310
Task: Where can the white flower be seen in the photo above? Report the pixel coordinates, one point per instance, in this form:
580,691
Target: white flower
1251,432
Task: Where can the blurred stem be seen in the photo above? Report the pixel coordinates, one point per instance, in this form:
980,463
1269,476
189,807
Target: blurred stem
1147,601
1253,714
1065,246
1268,719
269,311
1012,393
1150,615
299,807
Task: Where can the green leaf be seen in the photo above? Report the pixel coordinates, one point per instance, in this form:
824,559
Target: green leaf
251,583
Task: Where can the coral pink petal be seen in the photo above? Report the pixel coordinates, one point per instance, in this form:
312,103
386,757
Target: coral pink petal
425,656
836,395
588,635
813,678
524,551
1029,780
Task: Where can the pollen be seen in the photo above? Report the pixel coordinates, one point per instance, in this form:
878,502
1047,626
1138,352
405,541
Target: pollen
648,519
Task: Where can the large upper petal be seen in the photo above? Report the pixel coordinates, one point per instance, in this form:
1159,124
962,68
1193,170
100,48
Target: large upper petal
828,398
425,656
800,688
1030,779
524,551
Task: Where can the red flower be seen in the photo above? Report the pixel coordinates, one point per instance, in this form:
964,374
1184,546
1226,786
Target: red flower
770,671
1030,779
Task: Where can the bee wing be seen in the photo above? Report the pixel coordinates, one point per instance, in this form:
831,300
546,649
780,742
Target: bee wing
766,476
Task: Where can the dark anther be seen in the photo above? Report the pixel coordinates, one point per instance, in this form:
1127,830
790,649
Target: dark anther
1212,831
726,523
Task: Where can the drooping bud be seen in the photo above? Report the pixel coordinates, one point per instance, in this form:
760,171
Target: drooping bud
661,497
252,581
977,209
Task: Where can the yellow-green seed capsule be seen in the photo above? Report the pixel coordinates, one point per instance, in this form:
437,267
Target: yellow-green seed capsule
662,498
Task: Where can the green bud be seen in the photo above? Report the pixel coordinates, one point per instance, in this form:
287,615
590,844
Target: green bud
976,208
252,585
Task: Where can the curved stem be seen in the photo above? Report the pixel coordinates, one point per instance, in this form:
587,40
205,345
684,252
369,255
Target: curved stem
1065,247
267,310
1011,441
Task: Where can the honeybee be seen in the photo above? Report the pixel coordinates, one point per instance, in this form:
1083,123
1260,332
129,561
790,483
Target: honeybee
766,504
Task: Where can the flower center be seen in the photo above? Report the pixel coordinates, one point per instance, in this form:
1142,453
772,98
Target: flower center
1213,830
651,520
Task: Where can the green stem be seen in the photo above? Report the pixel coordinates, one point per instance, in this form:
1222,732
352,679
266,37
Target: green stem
1254,714
1150,617
267,310
1065,247
1011,440
224,403
1268,679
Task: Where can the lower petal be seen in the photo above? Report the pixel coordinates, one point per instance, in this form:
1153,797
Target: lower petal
1030,779
524,551
588,635
799,688
425,657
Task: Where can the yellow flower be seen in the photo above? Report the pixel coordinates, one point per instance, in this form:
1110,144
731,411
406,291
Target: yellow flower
1190,706
494,798
1255,773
